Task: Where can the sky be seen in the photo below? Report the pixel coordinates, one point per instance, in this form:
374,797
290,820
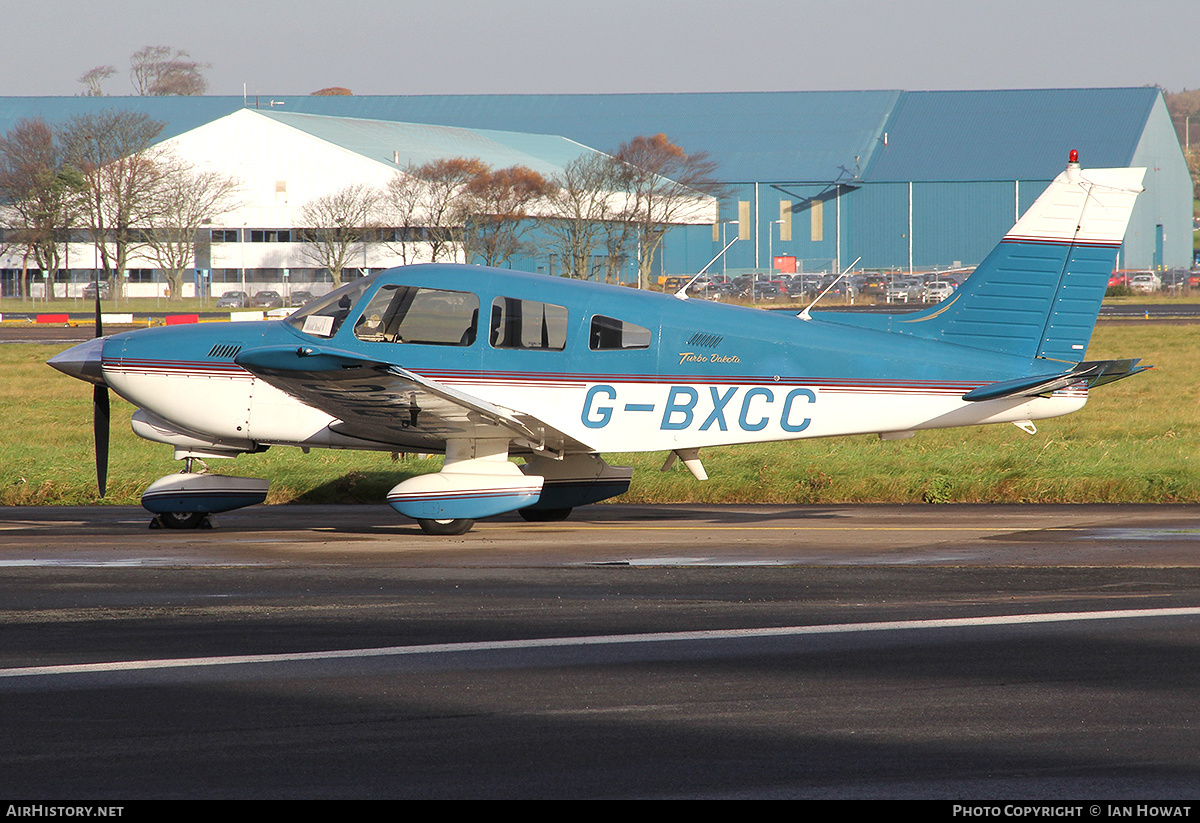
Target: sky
286,47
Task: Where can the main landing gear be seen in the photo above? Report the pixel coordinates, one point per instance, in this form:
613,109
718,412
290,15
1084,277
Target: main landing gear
545,515
446,528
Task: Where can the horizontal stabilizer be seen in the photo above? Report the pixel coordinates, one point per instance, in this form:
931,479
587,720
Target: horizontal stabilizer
1092,374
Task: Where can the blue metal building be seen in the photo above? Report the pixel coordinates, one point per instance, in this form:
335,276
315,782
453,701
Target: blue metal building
900,179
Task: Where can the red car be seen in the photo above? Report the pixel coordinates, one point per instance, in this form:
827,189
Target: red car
1118,278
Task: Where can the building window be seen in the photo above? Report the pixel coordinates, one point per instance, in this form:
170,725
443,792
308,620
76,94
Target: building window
270,235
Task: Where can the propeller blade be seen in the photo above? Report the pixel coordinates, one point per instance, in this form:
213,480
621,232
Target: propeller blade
99,327
100,414
100,426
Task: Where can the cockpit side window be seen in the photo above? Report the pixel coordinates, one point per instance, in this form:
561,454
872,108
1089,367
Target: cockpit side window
322,318
412,314
527,324
609,333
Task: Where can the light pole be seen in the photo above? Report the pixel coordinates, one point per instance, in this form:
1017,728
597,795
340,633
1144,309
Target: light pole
724,245
242,250
771,245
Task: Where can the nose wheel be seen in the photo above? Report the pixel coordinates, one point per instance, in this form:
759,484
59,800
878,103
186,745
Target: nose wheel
181,520
187,500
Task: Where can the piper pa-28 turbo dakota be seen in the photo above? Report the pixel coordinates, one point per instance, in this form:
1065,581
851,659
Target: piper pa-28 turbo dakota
483,364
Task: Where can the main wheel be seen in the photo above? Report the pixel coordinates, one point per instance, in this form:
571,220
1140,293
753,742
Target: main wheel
182,520
545,515
445,527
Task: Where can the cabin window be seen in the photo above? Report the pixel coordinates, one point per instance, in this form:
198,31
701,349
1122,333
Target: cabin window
609,333
411,314
527,324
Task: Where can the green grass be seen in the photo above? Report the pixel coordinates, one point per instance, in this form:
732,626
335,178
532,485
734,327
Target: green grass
1136,441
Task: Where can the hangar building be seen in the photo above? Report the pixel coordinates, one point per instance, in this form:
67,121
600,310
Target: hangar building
899,179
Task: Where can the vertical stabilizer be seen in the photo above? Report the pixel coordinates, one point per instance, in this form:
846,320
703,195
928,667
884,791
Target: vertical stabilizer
1038,293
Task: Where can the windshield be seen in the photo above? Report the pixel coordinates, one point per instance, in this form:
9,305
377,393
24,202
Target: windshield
324,317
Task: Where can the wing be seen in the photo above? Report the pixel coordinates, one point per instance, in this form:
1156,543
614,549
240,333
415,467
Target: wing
379,401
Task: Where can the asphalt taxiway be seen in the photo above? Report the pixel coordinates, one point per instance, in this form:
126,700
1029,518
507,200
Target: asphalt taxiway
684,534
953,652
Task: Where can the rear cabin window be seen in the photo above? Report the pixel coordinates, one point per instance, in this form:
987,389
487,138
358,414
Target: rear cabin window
609,333
411,314
527,324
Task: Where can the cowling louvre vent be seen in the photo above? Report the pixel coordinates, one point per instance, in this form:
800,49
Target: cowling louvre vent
710,341
224,351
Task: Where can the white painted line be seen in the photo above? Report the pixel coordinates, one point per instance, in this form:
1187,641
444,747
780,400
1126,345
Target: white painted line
599,640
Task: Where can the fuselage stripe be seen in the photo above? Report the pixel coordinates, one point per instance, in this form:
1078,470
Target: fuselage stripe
533,380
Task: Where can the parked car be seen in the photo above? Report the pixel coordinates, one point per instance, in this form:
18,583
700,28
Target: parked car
904,291
1145,283
770,290
804,285
718,290
233,300
938,290
834,288
89,291
874,284
267,300
299,298
1174,278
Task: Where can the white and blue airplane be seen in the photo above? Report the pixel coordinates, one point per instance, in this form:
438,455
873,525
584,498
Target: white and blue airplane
484,364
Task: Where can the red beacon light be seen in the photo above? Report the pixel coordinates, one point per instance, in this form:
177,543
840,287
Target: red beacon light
1073,157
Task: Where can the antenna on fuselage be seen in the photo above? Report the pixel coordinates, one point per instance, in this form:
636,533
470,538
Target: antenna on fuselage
682,293
804,315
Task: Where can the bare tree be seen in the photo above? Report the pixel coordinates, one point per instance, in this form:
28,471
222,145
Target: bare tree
93,80
427,205
158,71
40,195
336,227
121,171
583,211
446,199
498,216
185,200
403,210
663,185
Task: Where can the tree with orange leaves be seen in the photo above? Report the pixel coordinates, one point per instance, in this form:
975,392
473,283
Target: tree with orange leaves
499,204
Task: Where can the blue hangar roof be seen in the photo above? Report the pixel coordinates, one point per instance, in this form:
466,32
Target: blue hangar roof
815,136
1008,135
